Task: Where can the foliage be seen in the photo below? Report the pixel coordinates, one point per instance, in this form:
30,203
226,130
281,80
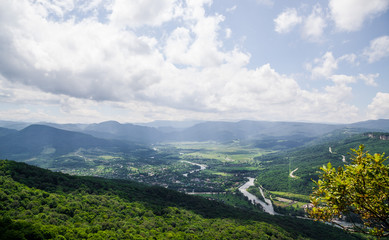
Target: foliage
361,187
40,204
276,167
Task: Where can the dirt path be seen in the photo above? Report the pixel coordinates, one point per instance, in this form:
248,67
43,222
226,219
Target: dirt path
292,172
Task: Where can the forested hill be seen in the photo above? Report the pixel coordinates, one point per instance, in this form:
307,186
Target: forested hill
39,204
275,175
37,139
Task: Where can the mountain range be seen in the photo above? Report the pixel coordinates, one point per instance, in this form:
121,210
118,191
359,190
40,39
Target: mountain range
207,131
40,139
37,138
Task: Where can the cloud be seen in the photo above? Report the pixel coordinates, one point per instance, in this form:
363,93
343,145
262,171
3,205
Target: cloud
84,67
379,107
378,49
325,66
266,2
349,15
342,79
287,20
351,58
198,44
228,32
231,9
369,79
143,12
314,24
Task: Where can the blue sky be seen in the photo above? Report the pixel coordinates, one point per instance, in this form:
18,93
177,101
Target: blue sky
139,61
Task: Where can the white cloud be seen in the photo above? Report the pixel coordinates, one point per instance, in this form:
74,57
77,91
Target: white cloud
349,15
379,107
378,49
342,79
351,58
231,9
287,20
228,32
369,79
84,66
314,24
325,66
137,13
198,44
266,2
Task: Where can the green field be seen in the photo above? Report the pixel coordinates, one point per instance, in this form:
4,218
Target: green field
232,152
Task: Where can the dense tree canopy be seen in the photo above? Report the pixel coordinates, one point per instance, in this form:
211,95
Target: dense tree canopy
40,204
359,189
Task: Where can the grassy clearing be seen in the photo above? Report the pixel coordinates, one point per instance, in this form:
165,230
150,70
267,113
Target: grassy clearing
224,174
292,196
107,157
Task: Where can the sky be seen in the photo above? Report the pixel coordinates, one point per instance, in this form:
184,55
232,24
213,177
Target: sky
78,61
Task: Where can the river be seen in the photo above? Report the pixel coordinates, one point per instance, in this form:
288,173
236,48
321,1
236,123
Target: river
202,167
267,205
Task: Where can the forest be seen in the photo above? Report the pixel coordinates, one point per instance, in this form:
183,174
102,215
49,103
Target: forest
40,204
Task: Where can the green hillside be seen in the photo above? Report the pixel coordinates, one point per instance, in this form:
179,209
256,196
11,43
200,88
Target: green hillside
40,204
277,167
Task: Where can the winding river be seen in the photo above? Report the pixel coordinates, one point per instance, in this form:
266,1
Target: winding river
202,167
267,205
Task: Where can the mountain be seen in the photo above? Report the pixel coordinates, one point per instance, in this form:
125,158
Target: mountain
381,125
208,131
13,125
308,159
40,204
127,131
6,131
252,130
36,139
262,134
170,124
75,127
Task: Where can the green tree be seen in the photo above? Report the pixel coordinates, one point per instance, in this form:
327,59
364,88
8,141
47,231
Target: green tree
361,188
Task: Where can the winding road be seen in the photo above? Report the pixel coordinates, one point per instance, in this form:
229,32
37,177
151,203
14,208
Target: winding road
292,172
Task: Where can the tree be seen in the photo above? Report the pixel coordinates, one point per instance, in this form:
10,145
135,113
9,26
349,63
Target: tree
360,188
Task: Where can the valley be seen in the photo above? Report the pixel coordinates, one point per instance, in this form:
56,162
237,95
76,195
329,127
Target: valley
255,173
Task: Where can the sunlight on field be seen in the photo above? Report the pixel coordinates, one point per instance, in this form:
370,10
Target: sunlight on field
107,157
231,152
299,197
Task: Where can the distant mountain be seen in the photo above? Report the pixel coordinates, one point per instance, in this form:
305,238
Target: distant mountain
127,131
250,130
36,139
261,133
75,127
381,125
13,125
6,131
170,124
